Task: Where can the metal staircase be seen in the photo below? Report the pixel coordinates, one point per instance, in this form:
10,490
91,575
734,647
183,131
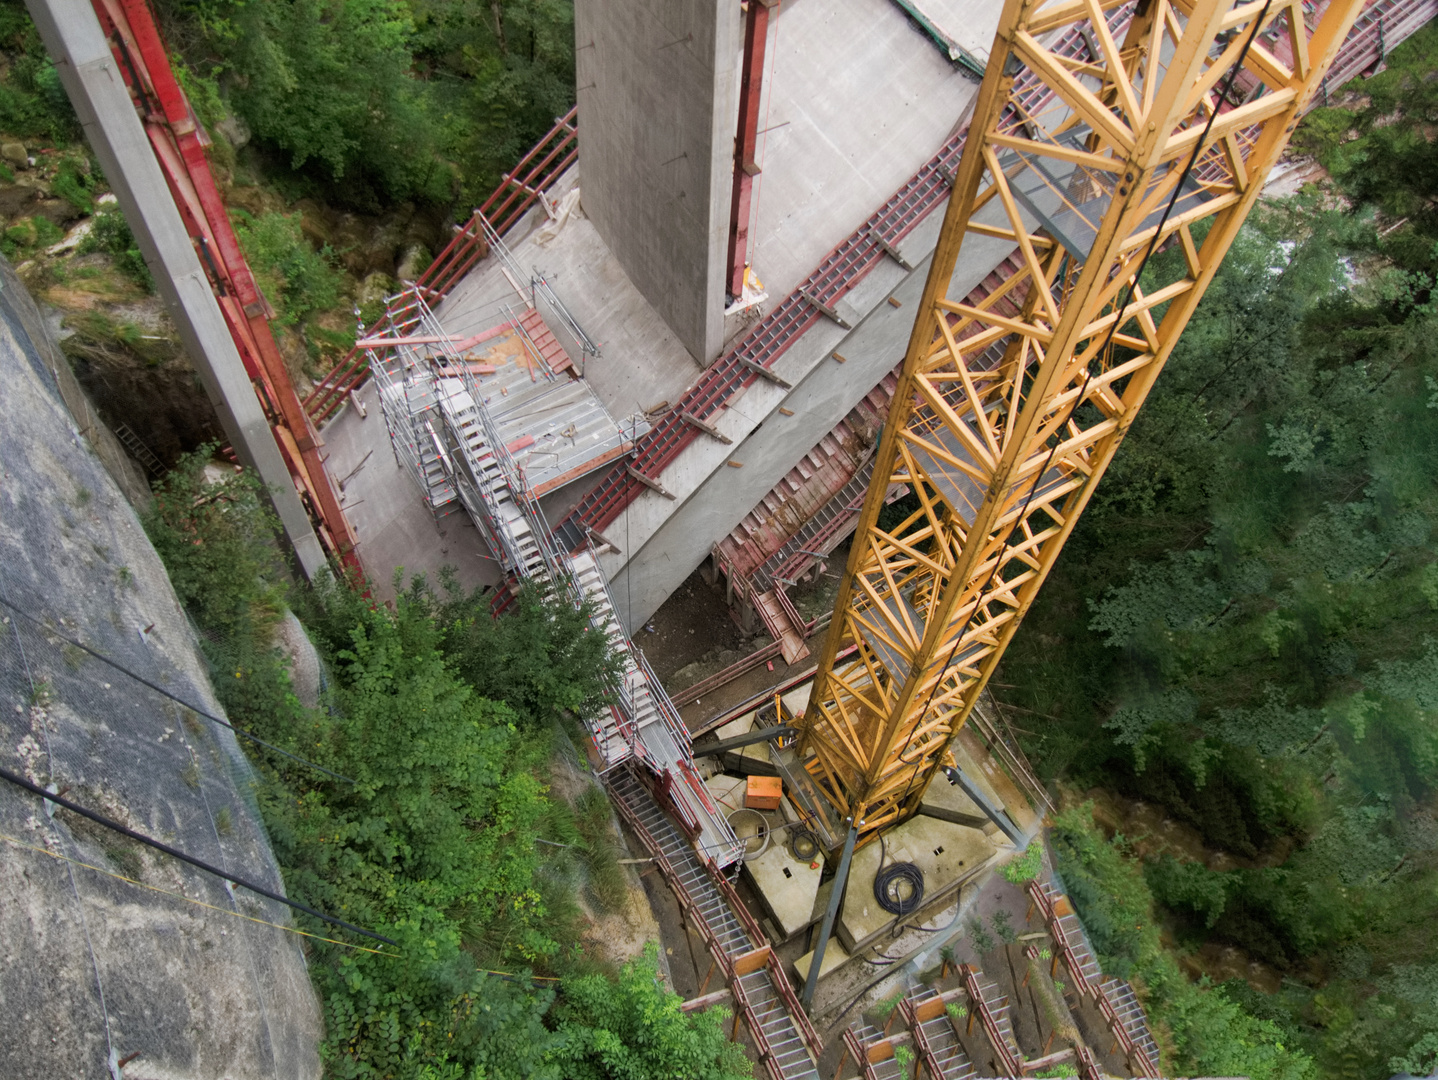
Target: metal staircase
1069,937
1123,1011
873,1051
991,1008
787,1043
454,438
943,1057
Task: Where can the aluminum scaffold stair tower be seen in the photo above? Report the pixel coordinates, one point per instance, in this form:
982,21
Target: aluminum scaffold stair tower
437,408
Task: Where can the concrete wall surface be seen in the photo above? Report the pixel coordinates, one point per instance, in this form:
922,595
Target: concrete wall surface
656,85
662,541
166,965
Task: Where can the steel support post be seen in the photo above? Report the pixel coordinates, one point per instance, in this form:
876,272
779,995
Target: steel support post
751,86
831,912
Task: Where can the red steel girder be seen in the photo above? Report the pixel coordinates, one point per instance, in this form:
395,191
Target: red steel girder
751,86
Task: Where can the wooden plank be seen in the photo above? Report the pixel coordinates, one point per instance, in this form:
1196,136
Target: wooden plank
751,961
708,429
929,1009
695,1004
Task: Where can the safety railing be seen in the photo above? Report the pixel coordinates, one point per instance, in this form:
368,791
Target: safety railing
516,193
542,298
536,171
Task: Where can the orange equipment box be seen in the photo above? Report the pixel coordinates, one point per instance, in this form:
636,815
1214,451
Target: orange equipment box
763,792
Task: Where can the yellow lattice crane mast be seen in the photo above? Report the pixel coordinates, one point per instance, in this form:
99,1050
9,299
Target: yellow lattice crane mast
1103,131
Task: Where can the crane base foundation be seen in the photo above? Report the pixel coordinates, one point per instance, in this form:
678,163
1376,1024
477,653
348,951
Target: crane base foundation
948,855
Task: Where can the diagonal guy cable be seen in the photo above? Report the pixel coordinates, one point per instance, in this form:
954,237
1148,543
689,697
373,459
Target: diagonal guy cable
101,819
161,690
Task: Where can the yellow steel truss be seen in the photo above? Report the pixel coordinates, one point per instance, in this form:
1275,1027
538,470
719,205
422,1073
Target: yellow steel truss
1103,132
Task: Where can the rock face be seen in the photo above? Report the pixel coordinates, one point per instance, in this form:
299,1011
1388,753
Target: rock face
164,971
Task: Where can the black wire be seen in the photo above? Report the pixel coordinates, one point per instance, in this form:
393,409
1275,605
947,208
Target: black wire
161,690
885,879
1198,150
224,875
889,877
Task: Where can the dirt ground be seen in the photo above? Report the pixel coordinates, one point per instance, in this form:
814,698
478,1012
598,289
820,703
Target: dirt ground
694,635
692,627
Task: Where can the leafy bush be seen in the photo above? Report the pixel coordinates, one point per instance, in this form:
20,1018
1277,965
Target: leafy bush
1211,1034
981,939
110,233
1190,887
33,103
27,234
632,1027
1027,866
1002,922
374,102
75,182
543,657
297,280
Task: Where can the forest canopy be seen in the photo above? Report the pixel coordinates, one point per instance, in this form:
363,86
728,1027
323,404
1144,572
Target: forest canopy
369,103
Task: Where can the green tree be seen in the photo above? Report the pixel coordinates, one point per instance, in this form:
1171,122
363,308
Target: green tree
634,1028
374,102
544,657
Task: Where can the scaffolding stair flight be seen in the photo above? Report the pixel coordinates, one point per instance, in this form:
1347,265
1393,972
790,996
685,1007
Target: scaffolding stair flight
444,414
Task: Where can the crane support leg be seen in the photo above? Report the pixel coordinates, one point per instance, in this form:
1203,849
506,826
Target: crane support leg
992,810
831,912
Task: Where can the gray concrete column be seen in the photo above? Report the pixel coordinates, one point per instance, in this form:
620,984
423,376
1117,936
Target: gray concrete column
75,41
657,85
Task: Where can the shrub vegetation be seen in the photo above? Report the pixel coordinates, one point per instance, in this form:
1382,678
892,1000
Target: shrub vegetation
436,843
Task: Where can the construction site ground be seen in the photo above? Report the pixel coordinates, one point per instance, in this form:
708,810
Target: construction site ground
694,636
901,963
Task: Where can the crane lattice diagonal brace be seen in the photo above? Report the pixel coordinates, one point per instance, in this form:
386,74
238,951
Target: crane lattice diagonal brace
1103,131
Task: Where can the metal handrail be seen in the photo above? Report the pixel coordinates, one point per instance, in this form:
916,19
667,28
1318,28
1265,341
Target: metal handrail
539,287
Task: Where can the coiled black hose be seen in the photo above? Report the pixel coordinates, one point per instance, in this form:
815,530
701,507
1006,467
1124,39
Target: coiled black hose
889,887
803,844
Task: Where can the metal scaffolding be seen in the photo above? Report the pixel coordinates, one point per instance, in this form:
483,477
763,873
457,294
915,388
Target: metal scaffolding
452,422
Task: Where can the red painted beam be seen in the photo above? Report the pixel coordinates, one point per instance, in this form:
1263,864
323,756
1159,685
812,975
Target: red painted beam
179,141
756,36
